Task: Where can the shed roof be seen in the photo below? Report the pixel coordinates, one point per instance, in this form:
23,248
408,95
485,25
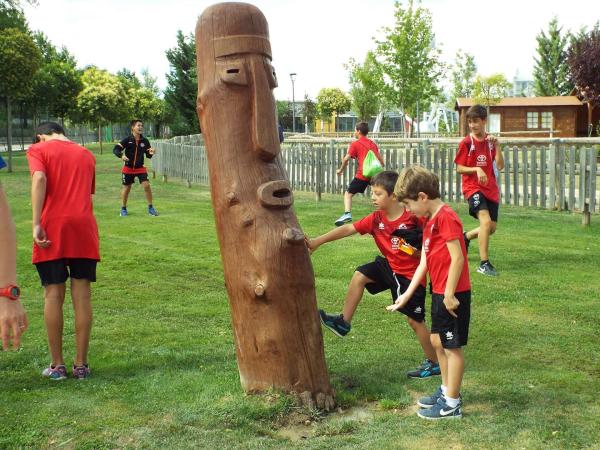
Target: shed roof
564,100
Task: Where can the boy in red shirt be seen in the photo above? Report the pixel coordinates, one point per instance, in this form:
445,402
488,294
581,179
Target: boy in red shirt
444,257
475,162
358,150
391,226
65,237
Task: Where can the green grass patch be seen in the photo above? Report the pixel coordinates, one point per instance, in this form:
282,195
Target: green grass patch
163,357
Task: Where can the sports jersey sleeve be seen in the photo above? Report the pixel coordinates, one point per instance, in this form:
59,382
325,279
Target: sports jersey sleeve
364,225
352,151
147,150
2,163
35,160
462,153
450,228
118,149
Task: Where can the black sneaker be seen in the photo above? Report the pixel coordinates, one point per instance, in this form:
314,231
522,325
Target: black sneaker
337,324
425,370
467,241
486,268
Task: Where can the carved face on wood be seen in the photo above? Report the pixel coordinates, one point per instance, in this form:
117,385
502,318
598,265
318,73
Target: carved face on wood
235,74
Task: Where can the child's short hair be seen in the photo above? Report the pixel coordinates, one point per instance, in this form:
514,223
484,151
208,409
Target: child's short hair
362,128
47,128
415,179
134,121
386,179
477,112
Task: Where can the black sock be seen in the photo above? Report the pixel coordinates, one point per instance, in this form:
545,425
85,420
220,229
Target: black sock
150,205
347,212
483,262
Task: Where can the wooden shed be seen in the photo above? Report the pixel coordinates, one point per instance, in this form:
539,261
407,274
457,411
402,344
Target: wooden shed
528,116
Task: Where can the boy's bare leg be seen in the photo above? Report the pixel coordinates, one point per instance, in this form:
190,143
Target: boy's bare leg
354,294
424,338
147,191
125,194
348,201
473,234
486,228
455,371
54,297
441,356
81,295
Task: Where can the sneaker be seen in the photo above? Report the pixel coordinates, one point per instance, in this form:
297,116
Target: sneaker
467,241
123,212
55,373
344,218
430,400
486,268
337,324
441,411
425,370
152,211
81,372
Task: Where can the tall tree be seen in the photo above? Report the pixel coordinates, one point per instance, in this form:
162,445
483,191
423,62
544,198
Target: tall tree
19,61
583,59
551,70
12,17
332,101
463,75
309,111
366,86
490,90
409,59
284,114
182,86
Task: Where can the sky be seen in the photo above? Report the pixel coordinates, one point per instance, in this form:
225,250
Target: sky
312,38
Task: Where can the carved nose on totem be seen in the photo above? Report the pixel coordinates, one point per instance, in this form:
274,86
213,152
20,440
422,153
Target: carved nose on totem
275,194
264,133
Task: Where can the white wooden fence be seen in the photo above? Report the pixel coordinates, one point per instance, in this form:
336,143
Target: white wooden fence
545,173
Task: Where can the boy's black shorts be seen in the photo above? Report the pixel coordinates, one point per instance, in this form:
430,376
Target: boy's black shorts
55,271
478,201
129,178
383,278
454,332
357,186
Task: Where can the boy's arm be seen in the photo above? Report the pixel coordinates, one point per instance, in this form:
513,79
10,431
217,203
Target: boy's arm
345,160
38,194
499,157
481,176
412,287
333,235
456,264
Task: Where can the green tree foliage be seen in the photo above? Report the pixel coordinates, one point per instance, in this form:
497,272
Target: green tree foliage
330,101
463,75
182,86
490,90
409,59
19,61
366,86
12,17
284,114
551,70
309,112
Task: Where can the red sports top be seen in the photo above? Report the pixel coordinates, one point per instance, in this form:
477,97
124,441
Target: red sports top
358,150
474,153
67,214
444,227
381,229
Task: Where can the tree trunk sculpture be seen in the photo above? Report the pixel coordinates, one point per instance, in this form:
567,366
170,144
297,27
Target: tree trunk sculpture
268,272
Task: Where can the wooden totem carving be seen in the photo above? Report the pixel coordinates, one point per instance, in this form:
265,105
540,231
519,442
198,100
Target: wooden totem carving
268,272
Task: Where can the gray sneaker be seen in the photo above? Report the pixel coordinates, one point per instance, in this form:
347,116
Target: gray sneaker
486,268
336,324
344,218
430,400
441,410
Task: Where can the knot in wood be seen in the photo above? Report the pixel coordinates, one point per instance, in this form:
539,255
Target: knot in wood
259,290
293,236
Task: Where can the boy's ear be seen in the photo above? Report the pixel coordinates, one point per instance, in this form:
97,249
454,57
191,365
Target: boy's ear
422,196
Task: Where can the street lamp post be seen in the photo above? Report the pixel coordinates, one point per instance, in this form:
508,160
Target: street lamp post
293,78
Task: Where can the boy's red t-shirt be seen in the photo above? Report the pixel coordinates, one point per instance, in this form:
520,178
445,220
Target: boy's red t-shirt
381,229
474,153
358,150
444,227
67,214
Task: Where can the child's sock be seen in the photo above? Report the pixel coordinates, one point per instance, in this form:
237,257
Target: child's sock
150,205
452,402
483,262
444,390
347,212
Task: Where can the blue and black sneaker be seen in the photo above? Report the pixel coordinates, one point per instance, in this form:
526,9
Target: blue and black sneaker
152,211
430,400
336,324
123,212
441,410
425,370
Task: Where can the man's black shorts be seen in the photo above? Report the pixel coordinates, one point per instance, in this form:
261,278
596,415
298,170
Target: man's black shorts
453,331
383,278
58,270
129,178
478,201
357,186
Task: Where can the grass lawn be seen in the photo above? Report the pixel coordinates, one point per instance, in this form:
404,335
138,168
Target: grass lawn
163,358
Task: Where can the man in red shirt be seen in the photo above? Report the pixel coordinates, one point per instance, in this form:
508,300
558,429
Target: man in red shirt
475,160
65,236
358,150
444,257
132,150
388,224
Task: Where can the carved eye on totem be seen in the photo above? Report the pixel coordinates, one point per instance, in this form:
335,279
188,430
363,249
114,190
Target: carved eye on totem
271,75
233,72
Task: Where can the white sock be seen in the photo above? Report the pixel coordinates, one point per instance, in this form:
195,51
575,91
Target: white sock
444,390
452,402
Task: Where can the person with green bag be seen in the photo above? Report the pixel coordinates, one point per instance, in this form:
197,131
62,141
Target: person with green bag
370,163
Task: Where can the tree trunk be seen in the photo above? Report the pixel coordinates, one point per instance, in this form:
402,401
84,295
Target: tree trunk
9,132
100,137
267,268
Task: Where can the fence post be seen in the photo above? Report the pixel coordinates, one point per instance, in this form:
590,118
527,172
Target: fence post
584,173
319,186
